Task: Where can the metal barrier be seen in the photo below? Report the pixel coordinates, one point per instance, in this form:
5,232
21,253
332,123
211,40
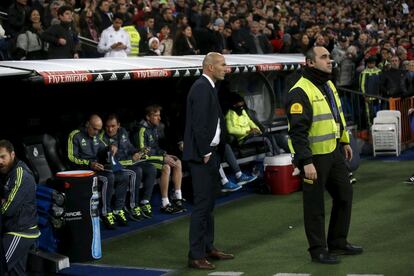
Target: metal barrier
403,105
354,105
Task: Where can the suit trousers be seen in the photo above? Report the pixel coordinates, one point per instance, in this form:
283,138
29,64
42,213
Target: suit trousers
206,185
333,175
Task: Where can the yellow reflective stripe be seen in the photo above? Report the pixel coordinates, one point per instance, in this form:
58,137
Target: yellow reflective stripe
101,137
126,162
19,177
24,235
141,136
71,156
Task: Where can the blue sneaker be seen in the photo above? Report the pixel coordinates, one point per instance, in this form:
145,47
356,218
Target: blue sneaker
230,187
244,179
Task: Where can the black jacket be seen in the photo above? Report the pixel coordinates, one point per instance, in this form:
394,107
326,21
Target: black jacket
19,193
52,36
203,113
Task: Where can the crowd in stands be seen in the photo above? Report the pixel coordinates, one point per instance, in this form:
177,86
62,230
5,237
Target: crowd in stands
185,27
353,33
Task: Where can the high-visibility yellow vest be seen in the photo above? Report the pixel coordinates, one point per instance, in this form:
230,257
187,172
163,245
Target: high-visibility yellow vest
324,130
134,37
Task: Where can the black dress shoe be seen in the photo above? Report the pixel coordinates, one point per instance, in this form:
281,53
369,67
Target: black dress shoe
348,249
325,258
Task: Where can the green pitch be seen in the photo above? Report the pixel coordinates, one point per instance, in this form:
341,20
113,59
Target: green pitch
257,230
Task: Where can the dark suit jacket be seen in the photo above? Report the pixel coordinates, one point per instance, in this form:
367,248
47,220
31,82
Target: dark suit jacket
203,111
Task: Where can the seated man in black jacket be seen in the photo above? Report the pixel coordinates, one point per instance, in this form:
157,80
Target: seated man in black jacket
18,210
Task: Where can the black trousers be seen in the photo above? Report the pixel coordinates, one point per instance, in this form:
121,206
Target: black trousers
332,176
206,185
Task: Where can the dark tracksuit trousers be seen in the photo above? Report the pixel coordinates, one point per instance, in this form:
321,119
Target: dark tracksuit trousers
111,181
16,249
145,172
333,175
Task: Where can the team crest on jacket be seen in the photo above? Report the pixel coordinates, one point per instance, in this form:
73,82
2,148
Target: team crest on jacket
296,108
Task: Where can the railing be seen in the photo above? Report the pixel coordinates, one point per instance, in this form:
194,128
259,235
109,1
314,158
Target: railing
358,110
403,105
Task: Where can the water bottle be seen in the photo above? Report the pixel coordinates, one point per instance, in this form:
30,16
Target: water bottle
96,230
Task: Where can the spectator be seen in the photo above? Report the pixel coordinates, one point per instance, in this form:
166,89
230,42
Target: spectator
148,137
244,129
407,82
17,14
184,43
18,210
166,43
29,44
129,157
346,75
62,38
105,14
154,47
87,151
257,43
146,33
339,51
239,43
166,18
115,41
90,27
206,36
369,83
391,79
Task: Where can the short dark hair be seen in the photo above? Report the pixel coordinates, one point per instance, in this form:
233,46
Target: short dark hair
118,16
152,109
63,9
310,54
112,116
7,145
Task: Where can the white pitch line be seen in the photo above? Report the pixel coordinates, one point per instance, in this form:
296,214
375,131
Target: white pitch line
365,275
291,274
226,273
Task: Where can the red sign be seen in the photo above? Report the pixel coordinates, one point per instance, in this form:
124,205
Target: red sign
269,67
66,77
151,73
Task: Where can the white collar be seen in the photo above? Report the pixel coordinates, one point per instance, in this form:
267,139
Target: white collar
210,80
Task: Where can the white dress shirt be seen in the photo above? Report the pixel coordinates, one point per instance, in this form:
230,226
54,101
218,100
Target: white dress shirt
216,139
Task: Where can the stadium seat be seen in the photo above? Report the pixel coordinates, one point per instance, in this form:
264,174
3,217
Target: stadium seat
42,156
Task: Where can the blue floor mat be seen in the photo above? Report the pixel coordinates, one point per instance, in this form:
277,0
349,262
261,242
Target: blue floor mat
81,270
159,217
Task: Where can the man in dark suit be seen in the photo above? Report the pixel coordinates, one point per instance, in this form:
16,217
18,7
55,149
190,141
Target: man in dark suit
204,139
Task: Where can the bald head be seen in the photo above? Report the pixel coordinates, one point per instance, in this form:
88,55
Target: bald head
214,66
94,125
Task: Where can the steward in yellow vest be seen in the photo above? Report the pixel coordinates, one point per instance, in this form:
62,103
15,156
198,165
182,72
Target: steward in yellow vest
317,130
134,38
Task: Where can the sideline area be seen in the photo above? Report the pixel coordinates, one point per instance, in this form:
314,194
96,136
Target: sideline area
266,234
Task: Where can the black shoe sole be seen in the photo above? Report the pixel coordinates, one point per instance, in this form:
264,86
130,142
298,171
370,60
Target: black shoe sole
326,262
338,252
